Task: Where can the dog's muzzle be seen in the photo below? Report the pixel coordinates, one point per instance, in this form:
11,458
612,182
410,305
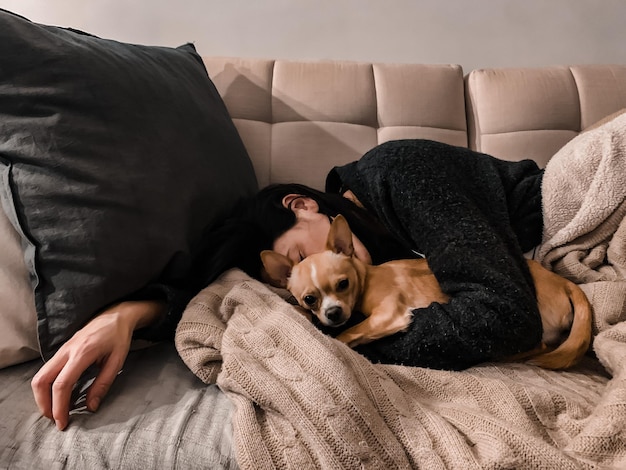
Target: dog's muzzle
334,316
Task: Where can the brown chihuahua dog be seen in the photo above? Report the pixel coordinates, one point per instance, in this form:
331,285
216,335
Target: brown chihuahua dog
333,283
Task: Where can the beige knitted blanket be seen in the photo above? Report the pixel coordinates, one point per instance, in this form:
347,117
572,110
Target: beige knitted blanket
584,196
305,401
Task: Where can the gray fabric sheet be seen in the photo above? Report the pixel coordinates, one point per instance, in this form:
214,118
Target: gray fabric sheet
157,415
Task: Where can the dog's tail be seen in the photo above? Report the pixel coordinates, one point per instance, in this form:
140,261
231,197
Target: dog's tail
571,351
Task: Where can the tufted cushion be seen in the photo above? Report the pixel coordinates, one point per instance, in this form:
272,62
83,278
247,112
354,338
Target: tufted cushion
517,113
310,116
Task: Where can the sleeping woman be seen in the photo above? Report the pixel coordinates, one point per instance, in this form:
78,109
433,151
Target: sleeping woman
471,215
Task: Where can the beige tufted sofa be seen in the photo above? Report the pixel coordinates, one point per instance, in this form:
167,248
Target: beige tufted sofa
297,120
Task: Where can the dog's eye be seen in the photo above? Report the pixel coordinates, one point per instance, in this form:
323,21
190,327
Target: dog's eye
342,285
310,300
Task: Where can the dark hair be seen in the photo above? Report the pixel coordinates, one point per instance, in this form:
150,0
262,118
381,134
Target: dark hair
254,223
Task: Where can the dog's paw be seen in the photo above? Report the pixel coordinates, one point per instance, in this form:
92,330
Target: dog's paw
405,320
349,338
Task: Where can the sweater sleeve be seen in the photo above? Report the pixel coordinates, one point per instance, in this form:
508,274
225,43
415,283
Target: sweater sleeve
451,204
176,300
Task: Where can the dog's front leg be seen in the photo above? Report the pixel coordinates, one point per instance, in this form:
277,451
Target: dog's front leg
358,334
379,324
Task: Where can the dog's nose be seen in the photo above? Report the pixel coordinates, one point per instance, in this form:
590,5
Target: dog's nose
333,314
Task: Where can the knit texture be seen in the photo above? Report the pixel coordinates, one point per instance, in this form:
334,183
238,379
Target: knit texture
472,216
585,232
305,401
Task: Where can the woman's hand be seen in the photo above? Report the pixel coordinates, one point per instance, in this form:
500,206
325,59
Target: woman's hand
104,341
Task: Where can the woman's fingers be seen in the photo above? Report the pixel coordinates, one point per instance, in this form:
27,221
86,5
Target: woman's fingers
104,341
64,384
103,381
52,386
42,383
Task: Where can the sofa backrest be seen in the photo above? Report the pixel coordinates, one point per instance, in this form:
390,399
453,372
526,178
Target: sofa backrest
300,118
521,113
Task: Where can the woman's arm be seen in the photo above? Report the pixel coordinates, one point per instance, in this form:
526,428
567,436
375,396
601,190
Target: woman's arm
151,313
104,341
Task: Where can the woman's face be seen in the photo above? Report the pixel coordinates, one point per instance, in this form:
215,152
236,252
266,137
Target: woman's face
306,237
309,233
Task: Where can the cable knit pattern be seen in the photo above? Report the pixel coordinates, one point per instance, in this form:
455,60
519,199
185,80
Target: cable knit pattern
305,401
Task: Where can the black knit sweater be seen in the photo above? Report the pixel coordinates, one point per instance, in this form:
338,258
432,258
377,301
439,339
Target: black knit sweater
472,216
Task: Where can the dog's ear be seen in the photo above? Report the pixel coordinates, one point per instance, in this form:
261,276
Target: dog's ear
340,236
277,267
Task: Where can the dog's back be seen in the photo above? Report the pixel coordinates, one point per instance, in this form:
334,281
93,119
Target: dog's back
409,283
390,292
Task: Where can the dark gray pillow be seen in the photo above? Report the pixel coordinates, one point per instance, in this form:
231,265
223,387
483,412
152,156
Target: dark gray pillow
113,158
